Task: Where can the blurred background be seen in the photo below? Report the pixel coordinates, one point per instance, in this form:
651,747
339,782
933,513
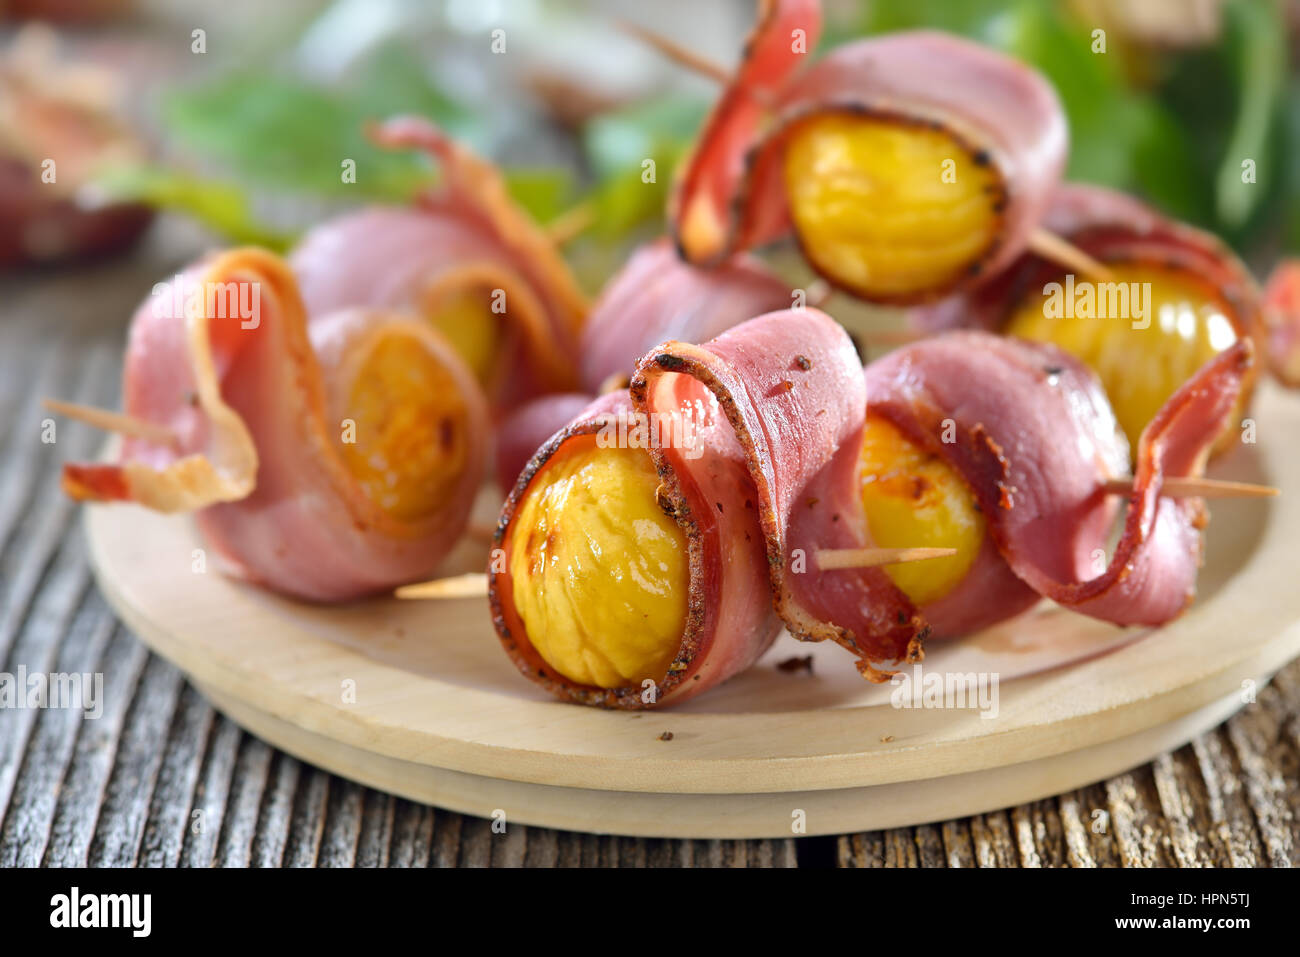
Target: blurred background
186,124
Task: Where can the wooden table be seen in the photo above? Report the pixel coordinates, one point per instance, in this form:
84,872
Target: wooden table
161,779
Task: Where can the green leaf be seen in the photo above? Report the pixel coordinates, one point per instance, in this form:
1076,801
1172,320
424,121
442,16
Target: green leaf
1165,163
624,138
1289,148
1107,121
617,147
977,19
280,130
283,132
1256,35
223,207
543,193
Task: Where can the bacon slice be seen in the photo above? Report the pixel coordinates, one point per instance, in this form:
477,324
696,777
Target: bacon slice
1282,321
1109,226
791,386
729,620
465,234
1035,439
731,195
526,430
715,176
250,402
658,296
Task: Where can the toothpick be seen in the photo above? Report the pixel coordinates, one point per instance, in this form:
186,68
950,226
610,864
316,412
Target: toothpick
480,531
614,382
1197,488
114,422
872,557
472,585
1063,253
891,337
676,52
571,223
688,58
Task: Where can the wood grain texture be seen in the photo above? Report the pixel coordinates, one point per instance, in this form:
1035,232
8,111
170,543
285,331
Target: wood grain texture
163,780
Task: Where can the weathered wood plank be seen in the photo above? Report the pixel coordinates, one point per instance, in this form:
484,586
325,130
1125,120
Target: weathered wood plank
1039,834
413,835
209,808
276,813
543,848
377,829
125,808
308,822
1140,831
88,772
48,751
342,828
449,846
178,775
1234,825
992,837
247,782
1257,736
1185,805
929,846
957,844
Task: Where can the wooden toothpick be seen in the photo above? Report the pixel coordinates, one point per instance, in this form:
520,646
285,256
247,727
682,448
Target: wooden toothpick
472,585
873,557
114,422
1197,488
1053,247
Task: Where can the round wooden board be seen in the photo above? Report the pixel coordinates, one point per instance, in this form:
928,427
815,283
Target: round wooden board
418,698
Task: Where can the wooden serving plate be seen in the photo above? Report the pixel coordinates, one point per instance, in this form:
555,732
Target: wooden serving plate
418,698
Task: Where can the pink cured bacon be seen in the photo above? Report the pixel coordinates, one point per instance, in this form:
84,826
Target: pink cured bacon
658,296
1113,227
1282,321
526,430
731,195
252,406
791,386
466,234
1035,440
729,620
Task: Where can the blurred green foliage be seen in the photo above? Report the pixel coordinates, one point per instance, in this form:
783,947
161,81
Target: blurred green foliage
1172,126
259,130
617,146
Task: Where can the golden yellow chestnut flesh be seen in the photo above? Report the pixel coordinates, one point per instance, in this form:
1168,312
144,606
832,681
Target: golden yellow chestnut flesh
1186,325
914,499
886,208
464,316
411,427
600,574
